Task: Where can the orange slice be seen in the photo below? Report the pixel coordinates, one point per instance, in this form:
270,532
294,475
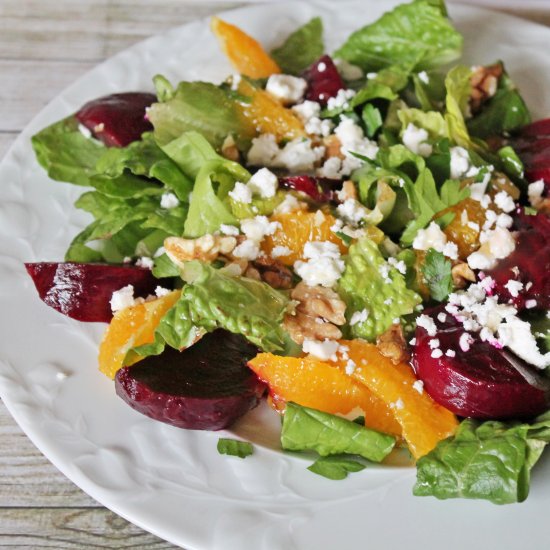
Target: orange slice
130,327
245,54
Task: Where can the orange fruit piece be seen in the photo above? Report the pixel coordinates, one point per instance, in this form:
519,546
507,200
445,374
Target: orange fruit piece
424,423
267,115
245,54
296,229
130,327
466,237
325,386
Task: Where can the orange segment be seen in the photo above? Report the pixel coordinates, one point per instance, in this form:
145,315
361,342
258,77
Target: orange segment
296,229
268,116
313,383
130,327
246,54
423,421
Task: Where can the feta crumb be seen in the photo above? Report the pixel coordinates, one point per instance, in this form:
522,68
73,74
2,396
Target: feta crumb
145,262
423,77
247,250
307,110
516,335
299,155
419,386
352,211
350,367
263,183
433,237
289,204
415,138
324,265
436,353
427,323
169,200
161,291
514,287
340,100
257,228
434,343
263,151
441,317
465,341
460,162
241,193
279,251
535,191
530,304
359,317
230,230
122,298
450,353
412,341
504,201
287,88
325,350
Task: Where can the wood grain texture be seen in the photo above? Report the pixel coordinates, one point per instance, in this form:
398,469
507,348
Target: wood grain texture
44,46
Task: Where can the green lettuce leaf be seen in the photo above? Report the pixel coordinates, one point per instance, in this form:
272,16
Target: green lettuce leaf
457,84
437,274
370,283
65,153
213,299
335,467
234,447
484,460
327,434
202,107
415,34
431,121
303,47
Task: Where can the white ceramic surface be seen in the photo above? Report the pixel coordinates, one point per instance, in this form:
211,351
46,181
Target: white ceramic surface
173,482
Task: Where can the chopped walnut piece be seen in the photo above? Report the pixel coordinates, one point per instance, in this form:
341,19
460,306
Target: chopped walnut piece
230,150
460,273
484,81
273,272
206,248
333,147
318,312
392,344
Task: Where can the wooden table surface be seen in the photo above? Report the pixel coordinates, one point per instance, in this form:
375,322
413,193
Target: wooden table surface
44,46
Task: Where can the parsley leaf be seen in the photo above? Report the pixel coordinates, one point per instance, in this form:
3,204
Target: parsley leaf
437,273
234,447
335,467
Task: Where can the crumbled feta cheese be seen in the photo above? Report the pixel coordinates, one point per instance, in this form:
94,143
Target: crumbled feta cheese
441,317
516,335
350,367
530,304
359,317
289,204
427,323
241,193
504,201
299,155
460,162
465,341
535,191
324,265
514,287
257,228
145,262
161,291
287,88
398,264
497,244
419,386
352,140
331,168
437,353
122,298
263,151
340,100
263,183
434,343
433,237
450,353
307,110
324,350
352,211
230,230
86,132
247,250
412,341
415,139
279,251
169,200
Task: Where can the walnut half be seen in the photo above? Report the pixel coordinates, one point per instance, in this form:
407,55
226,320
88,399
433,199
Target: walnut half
206,248
392,344
317,315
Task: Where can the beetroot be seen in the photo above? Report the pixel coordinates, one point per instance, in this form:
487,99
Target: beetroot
204,387
118,119
529,263
533,146
323,80
83,291
319,189
483,382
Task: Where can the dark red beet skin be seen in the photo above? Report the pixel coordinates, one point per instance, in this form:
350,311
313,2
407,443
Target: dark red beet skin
529,263
323,80
118,119
319,189
205,387
533,146
479,383
83,291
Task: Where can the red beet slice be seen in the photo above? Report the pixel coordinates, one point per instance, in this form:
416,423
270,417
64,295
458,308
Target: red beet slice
323,80
483,382
319,189
204,387
83,291
118,119
533,146
529,263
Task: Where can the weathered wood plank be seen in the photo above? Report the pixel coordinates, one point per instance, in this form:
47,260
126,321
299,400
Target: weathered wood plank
67,528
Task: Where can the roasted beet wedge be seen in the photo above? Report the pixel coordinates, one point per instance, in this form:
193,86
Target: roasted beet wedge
483,382
117,119
533,145
323,80
83,291
204,387
318,189
529,263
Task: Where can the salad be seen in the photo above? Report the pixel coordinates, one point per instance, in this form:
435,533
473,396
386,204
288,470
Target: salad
362,238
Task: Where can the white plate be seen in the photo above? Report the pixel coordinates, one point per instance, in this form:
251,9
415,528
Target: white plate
173,482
